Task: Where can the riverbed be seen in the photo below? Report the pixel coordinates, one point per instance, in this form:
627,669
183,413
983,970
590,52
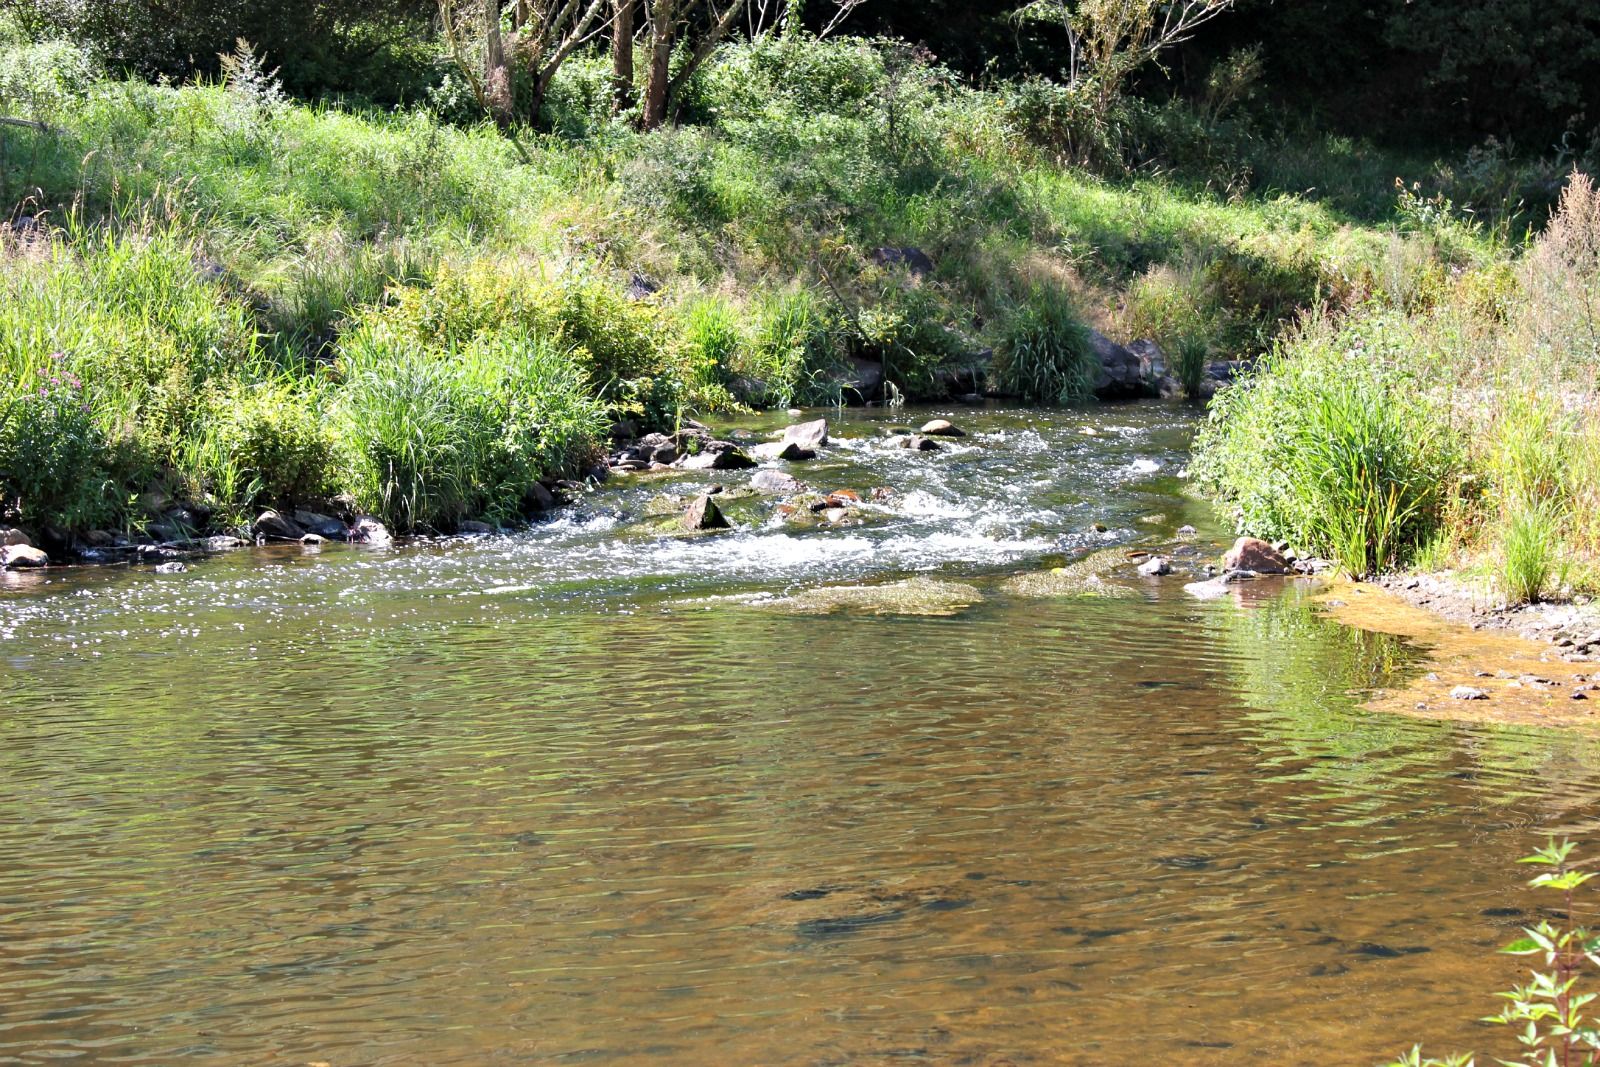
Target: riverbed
591,793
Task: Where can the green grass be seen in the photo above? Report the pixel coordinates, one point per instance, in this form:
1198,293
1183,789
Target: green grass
271,302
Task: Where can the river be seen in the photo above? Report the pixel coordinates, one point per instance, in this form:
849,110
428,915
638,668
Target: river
586,794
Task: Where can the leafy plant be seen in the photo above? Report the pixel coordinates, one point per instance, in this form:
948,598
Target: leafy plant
1547,1012
1044,353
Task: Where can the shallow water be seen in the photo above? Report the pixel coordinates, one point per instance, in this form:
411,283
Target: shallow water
566,796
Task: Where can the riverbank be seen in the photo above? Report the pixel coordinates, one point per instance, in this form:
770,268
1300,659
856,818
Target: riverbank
218,301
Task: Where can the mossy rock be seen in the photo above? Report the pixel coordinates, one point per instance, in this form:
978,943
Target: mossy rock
1085,578
914,596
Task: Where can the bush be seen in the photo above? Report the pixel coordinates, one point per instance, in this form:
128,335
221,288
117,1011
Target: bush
432,436
53,456
262,444
1043,352
796,351
1333,447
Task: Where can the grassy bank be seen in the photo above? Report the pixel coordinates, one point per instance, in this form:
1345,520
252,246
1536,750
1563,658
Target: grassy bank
215,295
1446,425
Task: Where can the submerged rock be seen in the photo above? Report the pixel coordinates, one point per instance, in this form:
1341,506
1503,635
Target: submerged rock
703,514
1156,567
914,596
174,567
473,528
1254,554
772,481
22,557
918,443
1084,578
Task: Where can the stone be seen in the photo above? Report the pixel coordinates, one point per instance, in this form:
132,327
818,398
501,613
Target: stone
724,459
914,261
22,557
222,543
1467,692
918,443
13,536
540,498
367,530
313,539
1118,376
99,539
1254,554
942,428
474,528
774,481
323,526
835,514
1152,360
642,286
864,380
174,567
784,450
703,514
1156,567
271,526
808,435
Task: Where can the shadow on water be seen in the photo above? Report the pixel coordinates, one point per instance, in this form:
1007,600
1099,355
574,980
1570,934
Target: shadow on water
516,802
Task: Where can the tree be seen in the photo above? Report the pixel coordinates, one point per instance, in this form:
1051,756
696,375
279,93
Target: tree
694,29
1108,41
492,41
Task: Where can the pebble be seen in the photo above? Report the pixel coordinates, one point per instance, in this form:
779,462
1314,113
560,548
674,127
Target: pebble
1467,692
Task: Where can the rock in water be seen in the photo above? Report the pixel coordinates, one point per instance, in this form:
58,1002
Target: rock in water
1118,376
13,536
369,531
942,428
703,514
784,450
770,481
727,459
1467,692
321,525
1254,554
1155,568
807,435
175,567
918,443
274,527
473,528
22,557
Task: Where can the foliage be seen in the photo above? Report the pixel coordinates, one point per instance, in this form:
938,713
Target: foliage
1332,445
52,453
1547,1012
1044,353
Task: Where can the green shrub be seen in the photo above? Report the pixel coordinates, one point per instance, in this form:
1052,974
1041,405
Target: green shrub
53,455
1043,352
1333,447
1531,551
1190,360
796,352
263,444
434,436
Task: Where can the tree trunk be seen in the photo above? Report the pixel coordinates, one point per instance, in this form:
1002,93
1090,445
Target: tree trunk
663,17
622,53
496,78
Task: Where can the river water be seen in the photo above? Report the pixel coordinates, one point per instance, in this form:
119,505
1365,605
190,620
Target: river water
582,794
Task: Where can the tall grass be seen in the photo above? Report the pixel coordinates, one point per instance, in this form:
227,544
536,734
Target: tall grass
1044,353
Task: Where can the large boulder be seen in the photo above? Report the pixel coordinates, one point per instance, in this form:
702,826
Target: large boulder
322,525
22,557
863,381
1152,360
13,536
271,526
1254,554
784,450
1118,374
703,514
807,435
